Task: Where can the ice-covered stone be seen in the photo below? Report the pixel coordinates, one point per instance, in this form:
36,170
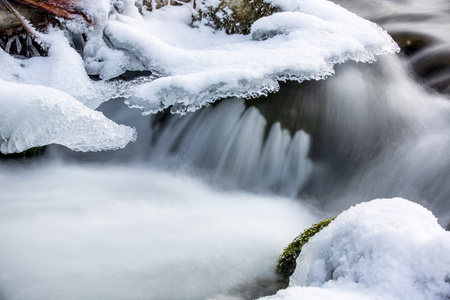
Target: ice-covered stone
383,249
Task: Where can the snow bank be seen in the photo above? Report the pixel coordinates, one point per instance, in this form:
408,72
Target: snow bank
34,115
50,100
198,65
383,249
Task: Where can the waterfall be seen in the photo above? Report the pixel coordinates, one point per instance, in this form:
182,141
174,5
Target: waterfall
228,145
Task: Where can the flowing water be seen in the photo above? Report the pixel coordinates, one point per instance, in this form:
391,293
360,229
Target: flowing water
200,206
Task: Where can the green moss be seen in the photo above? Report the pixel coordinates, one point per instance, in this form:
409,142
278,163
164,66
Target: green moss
288,260
235,16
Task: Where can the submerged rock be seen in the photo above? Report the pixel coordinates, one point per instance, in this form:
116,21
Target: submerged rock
292,107
429,60
411,42
29,153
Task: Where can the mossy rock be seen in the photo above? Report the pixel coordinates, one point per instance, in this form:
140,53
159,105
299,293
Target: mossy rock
234,16
288,260
29,153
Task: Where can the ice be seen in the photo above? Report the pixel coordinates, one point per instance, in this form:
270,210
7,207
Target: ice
49,100
35,115
382,249
198,65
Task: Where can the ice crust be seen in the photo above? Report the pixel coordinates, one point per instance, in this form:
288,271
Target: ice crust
198,66
382,249
193,66
35,115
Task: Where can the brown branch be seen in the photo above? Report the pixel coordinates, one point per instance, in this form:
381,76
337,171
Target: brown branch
62,8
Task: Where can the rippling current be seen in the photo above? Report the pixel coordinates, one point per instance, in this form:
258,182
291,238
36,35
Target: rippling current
202,205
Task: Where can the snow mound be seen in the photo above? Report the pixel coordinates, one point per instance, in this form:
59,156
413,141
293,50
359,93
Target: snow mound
382,249
198,66
35,115
50,100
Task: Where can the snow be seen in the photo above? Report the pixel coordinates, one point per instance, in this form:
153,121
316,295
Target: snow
200,65
63,70
194,65
50,100
382,249
35,115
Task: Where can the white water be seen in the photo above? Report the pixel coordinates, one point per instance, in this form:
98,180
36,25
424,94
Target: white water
132,232
190,210
398,136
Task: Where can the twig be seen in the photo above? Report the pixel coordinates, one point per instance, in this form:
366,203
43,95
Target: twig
19,17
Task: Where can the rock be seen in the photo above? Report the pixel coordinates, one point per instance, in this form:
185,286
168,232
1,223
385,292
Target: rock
150,4
429,61
296,106
234,16
27,154
433,68
288,260
410,43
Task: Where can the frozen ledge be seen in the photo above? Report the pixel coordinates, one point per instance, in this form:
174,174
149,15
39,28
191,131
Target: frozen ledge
199,65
